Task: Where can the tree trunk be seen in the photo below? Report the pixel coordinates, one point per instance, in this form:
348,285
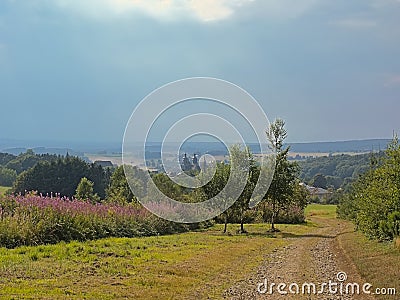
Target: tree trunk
241,222
273,217
226,222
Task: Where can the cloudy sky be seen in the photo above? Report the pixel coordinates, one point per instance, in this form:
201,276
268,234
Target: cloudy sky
74,70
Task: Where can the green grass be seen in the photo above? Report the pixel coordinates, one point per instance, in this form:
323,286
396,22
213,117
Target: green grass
194,265
321,211
377,262
3,190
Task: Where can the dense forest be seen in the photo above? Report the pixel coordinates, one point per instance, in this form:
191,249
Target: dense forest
335,171
11,165
62,176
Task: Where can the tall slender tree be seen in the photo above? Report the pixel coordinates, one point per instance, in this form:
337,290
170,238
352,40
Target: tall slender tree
281,189
246,161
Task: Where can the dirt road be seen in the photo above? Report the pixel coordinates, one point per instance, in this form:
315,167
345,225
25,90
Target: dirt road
314,258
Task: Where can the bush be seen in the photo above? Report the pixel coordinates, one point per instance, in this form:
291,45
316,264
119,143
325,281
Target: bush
293,214
34,220
391,227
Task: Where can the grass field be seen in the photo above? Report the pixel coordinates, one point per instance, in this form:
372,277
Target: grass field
193,265
3,190
378,263
321,211
184,266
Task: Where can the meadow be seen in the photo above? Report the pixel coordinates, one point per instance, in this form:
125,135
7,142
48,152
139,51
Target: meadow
377,262
3,190
190,265
199,264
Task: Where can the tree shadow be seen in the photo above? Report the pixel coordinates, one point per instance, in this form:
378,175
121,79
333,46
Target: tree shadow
275,235
307,235
283,234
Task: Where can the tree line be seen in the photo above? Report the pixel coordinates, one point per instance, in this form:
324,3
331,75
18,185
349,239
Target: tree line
335,171
373,201
11,166
62,176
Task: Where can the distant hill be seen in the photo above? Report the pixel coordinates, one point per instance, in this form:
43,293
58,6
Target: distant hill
59,148
44,150
338,170
341,146
312,147
216,148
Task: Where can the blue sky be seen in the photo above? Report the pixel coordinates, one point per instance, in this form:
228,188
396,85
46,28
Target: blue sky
73,70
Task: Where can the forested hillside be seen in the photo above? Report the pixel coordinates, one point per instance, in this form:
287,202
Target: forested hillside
336,171
62,176
11,165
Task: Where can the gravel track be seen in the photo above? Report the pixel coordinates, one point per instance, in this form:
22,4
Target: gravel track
312,258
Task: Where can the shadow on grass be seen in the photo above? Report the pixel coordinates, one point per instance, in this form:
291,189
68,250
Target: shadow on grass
281,235
306,235
268,233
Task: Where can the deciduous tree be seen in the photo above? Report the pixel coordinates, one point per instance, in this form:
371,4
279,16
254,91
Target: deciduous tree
282,185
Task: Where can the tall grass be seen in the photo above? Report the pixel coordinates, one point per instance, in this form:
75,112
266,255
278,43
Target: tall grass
3,190
34,220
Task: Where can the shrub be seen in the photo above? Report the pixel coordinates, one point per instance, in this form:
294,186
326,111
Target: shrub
293,214
33,220
390,228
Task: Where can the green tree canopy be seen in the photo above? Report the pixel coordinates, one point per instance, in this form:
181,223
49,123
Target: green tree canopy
7,176
61,176
5,158
119,190
319,181
27,160
84,191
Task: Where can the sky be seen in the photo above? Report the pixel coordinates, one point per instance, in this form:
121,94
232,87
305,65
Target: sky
74,70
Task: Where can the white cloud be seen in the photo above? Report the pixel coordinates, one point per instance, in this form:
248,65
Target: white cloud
210,10
203,10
